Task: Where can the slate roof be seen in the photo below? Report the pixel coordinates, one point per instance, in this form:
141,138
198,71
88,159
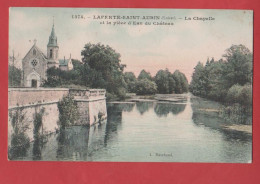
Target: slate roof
63,62
39,50
45,57
52,38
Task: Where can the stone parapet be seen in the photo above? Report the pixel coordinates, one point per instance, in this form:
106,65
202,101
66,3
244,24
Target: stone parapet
88,94
19,97
32,96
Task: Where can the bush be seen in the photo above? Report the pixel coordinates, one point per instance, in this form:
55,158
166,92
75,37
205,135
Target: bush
234,93
245,95
240,94
68,111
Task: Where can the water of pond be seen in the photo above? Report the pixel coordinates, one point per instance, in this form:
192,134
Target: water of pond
188,131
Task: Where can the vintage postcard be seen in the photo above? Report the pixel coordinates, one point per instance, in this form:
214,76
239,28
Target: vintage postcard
130,85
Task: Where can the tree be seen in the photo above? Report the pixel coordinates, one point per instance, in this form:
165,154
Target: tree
164,81
14,76
238,66
103,68
130,80
53,77
59,78
215,90
181,82
144,75
129,77
228,79
77,65
145,87
197,82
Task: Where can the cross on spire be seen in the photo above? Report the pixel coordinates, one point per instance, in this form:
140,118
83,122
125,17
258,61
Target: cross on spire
34,41
53,21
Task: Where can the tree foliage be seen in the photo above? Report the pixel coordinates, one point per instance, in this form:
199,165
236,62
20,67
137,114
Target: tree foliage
181,82
144,75
145,87
238,66
130,80
103,68
58,78
228,79
165,82
14,76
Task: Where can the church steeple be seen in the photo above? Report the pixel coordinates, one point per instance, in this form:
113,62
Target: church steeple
53,38
52,47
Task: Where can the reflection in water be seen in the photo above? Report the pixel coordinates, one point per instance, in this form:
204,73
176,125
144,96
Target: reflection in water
19,146
126,107
37,149
163,109
143,107
205,113
114,119
73,143
191,132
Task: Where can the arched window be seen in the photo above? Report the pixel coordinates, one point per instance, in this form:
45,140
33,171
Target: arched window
51,53
34,52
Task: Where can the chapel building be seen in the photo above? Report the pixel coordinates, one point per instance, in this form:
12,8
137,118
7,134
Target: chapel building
35,63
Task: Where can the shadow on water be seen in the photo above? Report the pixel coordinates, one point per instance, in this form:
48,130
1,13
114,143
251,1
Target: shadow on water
163,109
206,114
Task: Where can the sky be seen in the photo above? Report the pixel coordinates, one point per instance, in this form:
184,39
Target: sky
151,47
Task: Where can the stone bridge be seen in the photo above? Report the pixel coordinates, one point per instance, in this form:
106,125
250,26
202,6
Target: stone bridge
91,105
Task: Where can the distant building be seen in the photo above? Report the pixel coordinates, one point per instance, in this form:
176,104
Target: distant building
35,63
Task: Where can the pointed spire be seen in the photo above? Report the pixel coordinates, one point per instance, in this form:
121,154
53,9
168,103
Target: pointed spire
53,37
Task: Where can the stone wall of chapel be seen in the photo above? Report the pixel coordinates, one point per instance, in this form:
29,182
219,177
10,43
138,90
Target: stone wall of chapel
41,67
